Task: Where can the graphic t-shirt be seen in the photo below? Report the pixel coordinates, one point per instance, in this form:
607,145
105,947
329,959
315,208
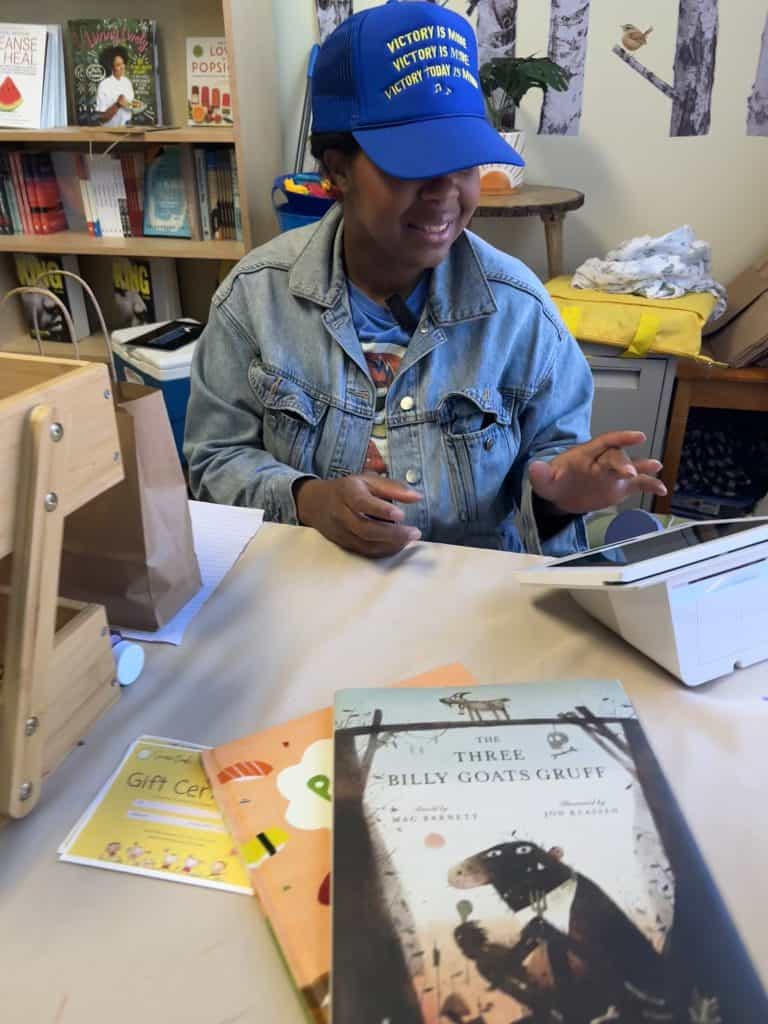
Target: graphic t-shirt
384,342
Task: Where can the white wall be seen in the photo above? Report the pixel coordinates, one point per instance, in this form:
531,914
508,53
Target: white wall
637,180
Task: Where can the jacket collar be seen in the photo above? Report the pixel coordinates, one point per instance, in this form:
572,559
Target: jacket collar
459,288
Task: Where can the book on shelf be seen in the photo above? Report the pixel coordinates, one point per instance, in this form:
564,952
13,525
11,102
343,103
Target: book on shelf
50,320
274,791
165,195
114,72
181,192
32,83
516,853
144,291
209,94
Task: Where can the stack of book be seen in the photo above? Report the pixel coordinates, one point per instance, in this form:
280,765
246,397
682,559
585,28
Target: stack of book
30,198
32,80
178,192
481,856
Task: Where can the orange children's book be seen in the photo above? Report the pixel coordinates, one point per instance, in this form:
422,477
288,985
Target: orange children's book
274,790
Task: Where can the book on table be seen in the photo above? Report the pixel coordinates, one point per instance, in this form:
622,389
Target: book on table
516,854
274,791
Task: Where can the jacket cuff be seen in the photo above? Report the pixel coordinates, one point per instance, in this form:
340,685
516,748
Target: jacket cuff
279,502
556,535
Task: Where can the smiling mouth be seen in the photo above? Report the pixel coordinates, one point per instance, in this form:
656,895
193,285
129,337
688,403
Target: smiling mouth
434,232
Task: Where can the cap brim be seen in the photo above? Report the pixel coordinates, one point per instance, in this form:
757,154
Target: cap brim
429,149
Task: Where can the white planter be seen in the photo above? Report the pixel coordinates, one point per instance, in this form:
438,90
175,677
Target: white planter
501,178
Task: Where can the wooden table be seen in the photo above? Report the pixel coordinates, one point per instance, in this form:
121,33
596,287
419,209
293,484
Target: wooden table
295,620
546,201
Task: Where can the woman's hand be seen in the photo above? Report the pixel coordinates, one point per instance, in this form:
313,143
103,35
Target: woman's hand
596,474
356,512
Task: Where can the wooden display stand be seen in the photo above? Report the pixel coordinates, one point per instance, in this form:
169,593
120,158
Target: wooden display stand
58,449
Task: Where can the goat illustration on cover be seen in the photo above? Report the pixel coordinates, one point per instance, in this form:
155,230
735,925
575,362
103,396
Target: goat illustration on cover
515,854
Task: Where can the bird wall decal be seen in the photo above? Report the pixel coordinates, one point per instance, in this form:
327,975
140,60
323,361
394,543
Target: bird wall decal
632,38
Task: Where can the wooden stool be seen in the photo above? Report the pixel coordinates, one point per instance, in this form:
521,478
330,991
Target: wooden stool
708,387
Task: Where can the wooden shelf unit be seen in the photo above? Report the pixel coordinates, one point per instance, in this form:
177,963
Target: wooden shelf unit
202,260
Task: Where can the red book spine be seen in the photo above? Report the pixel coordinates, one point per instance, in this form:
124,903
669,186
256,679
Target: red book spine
21,193
132,194
52,216
30,184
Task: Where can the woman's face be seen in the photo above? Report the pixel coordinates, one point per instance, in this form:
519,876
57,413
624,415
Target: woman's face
118,67
409,225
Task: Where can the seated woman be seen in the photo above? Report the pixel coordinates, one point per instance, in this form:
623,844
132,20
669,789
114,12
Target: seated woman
387,375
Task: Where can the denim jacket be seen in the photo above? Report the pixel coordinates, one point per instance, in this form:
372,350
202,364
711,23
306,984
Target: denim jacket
490,380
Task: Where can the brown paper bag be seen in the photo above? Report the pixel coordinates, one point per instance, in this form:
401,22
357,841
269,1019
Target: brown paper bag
131,548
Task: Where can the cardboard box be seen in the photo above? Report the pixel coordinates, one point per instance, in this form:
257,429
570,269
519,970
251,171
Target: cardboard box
740,336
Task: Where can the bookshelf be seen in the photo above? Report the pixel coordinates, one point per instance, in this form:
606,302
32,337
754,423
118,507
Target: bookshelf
247,27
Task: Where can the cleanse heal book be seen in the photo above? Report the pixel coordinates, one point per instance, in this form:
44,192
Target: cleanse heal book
514,853
274,790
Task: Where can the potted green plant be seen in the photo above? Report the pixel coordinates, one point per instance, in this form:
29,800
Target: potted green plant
504,81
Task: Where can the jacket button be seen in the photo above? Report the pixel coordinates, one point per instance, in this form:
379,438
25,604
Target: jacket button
488,443
424,329
407,403
412,476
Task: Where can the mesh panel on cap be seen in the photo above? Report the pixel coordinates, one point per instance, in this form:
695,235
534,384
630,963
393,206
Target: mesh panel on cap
333,85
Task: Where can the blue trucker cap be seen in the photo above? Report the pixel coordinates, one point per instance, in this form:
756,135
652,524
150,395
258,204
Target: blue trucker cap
403,79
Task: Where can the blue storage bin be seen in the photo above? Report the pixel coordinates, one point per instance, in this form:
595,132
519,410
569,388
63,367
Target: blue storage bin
294,210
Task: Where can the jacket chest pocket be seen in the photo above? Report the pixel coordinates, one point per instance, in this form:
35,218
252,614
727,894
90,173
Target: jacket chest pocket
292,418
481,437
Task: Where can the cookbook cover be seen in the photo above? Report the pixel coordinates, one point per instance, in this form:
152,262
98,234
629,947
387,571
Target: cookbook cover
209,97
113,72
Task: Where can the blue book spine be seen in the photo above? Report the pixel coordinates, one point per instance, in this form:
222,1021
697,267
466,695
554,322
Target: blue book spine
165,203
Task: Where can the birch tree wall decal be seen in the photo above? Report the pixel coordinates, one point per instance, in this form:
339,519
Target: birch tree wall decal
568,30
330,14
757,105
496,28
694,73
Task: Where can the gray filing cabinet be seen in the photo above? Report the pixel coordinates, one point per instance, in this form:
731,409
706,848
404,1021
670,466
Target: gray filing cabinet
632,394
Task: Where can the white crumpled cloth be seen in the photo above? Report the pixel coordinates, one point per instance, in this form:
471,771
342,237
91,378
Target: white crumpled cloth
658,268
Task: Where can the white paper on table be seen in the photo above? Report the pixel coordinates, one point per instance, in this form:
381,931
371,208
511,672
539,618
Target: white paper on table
221,534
